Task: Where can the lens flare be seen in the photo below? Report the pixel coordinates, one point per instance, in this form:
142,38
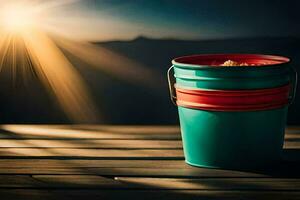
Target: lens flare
27,44
22,34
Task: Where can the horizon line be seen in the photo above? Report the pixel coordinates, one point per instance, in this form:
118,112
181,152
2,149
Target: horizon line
143,37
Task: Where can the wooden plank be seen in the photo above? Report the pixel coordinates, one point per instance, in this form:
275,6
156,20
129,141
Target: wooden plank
147,129
293,129
292,136
90,153
60,163
9,181
102,132
284,172
133,129
214,183
82,135
133,144
61,181
105,163
136,172
167,179
105,132
292,145
92,181
75,194
98,143
79,181
76,153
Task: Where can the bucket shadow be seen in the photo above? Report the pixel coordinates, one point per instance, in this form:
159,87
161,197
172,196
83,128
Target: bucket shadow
288,167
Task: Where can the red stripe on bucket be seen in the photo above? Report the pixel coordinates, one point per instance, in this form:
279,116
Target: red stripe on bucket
233,100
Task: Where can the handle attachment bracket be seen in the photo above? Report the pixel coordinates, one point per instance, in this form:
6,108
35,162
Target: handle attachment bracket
171,82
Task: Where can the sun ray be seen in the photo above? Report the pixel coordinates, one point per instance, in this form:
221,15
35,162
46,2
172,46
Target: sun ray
26,48
111,63
4,47
58,74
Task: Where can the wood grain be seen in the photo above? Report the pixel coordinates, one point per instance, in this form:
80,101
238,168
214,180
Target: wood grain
90,153
272,184
92,181
114,162
292,142
83,163
133,172
74,194
96,143
102,132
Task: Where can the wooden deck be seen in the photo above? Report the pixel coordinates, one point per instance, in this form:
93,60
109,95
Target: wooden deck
128,162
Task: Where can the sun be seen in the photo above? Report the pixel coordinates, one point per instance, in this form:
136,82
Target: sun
18,18
34,40
26,46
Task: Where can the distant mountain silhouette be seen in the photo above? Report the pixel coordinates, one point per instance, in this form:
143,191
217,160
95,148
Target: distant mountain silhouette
122,102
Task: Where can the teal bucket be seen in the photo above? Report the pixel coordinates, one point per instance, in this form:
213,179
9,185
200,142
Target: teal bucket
232,116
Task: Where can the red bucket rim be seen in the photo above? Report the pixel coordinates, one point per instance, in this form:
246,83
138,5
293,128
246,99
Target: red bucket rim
215,60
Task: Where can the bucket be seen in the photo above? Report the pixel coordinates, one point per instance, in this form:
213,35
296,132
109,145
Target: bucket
232,116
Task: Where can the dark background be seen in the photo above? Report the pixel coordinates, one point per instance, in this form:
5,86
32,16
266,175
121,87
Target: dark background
266,27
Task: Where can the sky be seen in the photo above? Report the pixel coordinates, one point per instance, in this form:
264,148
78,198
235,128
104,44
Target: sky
184,19
100,20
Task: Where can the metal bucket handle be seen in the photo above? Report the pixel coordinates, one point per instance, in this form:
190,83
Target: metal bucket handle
294,81
171,82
